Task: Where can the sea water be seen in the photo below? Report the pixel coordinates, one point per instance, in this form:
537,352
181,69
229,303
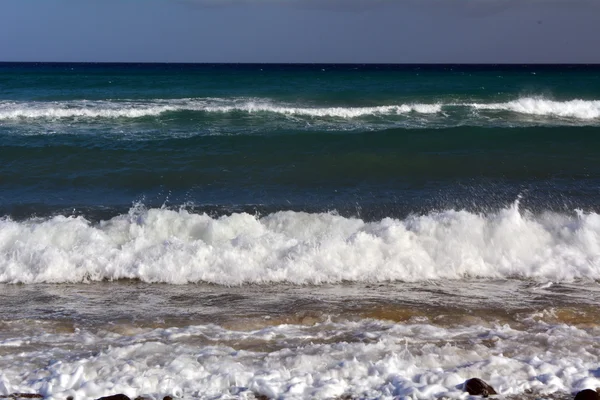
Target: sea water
299,231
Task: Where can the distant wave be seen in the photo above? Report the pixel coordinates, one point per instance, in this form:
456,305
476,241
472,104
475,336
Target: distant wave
526,111
90,109
139,109
342,112
580,109
160,245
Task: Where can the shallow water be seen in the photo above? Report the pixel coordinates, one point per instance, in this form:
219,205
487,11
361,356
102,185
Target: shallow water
285,341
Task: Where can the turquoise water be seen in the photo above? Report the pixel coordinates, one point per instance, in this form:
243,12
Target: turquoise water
364,140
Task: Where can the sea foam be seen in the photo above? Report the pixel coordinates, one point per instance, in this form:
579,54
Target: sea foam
149,108
536,106
341,112
580,109
375,359
161,245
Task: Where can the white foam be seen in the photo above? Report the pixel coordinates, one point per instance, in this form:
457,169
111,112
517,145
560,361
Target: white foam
577,109
160,245
580,109
81,109
376,359
341,112
139,109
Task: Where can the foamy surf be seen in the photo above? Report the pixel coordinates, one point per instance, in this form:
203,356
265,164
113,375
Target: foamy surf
149,108
365,359
339,112
160,245
581,110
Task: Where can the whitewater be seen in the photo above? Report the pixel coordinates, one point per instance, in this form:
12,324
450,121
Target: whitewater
380,360
579,109
176,246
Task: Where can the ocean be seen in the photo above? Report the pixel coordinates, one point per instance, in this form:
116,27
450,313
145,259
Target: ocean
235,231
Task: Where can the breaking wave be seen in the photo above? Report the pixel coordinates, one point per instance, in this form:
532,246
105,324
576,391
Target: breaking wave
581,110
161,245
140,109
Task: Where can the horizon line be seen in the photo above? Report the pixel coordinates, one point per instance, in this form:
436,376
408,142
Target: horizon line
294,63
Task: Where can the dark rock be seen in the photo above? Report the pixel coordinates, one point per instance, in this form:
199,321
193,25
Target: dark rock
70,398
587,394
261,397
477,387
167,398
22,396
119,396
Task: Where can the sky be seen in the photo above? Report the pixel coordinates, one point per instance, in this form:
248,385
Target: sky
301,31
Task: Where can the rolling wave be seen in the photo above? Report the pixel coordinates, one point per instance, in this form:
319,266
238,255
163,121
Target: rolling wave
160,245
140,109
581,110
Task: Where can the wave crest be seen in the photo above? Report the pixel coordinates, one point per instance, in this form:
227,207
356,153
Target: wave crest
160,245
140,109
580,109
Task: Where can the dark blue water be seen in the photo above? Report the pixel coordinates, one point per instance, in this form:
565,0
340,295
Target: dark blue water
364,140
